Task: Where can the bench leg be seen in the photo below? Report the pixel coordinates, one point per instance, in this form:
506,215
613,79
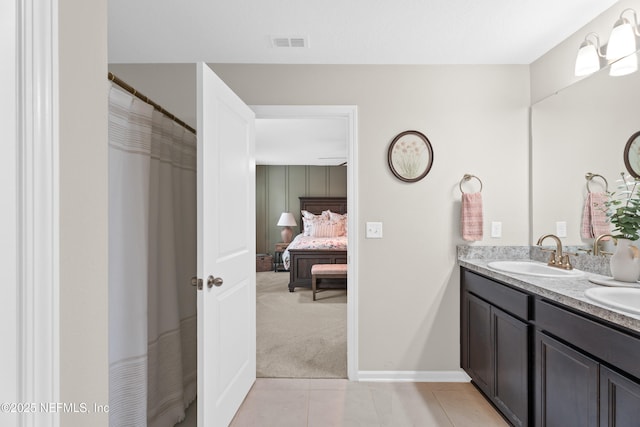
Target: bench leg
313,286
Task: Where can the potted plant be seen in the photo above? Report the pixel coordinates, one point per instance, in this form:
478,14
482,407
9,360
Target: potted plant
623,211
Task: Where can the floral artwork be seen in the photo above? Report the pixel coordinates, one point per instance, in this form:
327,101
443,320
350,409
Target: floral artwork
410,156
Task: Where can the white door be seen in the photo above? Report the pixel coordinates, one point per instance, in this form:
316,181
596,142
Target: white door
226,250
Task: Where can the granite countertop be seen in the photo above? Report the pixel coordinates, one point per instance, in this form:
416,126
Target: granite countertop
565,291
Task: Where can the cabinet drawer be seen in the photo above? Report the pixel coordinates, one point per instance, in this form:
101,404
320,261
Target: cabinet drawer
610,345
502,296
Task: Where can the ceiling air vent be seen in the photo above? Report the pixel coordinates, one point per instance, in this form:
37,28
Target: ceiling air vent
289,41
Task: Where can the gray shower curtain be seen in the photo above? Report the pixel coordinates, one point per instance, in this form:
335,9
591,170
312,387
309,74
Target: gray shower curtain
152,255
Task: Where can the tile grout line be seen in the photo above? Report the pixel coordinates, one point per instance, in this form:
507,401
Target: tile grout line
446,413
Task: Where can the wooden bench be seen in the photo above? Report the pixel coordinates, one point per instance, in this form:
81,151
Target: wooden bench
326,271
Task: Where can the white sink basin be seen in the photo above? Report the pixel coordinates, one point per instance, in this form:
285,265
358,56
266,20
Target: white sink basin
531,268
625,299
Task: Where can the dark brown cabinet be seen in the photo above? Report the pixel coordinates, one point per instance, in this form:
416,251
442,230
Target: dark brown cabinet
544,364
619,400
495,349
566,385
479,363
511,353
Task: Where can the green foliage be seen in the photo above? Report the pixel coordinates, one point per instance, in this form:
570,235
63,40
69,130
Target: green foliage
624,209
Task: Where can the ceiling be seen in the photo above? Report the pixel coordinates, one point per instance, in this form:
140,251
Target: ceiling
338,32
308,141
344,31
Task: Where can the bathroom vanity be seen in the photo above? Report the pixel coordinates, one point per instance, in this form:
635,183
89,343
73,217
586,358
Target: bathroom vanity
545,355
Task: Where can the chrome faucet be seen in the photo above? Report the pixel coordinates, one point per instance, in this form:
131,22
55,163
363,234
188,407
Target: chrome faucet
557,259
596,248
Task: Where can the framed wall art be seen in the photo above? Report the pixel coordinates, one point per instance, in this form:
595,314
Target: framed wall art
410,156
632,155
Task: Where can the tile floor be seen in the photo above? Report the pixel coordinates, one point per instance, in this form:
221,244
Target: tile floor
337,403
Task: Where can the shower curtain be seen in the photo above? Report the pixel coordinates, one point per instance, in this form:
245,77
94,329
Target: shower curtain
152,256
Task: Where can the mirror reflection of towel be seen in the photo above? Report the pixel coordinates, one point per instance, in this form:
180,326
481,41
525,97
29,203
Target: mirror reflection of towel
594,216
471,216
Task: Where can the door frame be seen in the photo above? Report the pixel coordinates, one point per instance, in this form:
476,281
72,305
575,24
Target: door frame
350,113
30,226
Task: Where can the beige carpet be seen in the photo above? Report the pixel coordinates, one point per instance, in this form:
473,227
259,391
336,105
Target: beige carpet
296,336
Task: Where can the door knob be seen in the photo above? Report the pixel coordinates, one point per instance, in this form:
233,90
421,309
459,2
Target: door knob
214,281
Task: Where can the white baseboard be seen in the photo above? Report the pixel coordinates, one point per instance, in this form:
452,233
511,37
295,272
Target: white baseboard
457,376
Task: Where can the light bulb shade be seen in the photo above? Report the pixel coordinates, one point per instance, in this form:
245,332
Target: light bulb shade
286,220
587,61
624,66
622,41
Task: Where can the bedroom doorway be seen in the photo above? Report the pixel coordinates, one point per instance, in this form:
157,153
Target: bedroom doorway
320,117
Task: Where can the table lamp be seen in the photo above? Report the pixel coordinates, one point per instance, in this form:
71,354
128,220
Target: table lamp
286,221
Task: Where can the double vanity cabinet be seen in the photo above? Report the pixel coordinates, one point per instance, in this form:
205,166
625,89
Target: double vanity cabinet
543,363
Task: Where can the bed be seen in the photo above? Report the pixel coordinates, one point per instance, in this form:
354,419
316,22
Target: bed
304,251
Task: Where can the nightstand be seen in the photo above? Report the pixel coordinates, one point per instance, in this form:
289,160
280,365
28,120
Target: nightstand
277,256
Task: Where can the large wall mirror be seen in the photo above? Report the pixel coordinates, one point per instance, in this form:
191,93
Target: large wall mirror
582,128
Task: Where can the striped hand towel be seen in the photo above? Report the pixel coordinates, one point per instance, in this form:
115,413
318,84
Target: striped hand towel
594,217
471,216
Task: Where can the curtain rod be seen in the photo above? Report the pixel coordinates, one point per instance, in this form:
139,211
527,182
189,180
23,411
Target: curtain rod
124,85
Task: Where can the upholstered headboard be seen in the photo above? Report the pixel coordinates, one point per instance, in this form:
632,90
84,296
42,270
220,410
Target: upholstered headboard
316,205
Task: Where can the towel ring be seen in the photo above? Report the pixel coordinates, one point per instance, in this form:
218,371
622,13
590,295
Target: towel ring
468,177
589,176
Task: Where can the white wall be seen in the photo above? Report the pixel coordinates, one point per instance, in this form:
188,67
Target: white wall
476,118
173,86
83,207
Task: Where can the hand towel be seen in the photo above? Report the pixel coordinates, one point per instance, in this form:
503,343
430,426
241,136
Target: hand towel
471,216
594,216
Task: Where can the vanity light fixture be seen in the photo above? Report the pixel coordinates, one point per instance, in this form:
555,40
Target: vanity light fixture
622,41
589,54
620,50
624,66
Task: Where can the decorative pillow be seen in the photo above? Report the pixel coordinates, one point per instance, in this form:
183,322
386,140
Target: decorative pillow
308,216
319,227
339,218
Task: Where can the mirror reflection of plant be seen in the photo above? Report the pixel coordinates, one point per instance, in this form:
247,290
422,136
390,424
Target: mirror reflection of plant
408,157
624,208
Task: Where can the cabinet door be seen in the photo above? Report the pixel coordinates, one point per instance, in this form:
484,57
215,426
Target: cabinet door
619,400
511,350
479,343
566,385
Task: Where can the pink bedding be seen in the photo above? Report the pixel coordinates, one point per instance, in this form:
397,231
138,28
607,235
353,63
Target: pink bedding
308,242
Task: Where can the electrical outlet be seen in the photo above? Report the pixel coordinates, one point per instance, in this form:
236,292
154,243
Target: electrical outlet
374,230
496,229
561,228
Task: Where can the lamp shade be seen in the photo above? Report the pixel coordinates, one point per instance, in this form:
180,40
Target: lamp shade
622,41
587,61
286,220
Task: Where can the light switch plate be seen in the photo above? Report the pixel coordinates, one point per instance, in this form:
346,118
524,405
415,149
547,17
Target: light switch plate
561,228
374,230
496,229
